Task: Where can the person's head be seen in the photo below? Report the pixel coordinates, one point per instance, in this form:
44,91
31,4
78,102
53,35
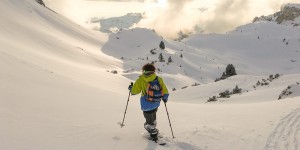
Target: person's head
148,69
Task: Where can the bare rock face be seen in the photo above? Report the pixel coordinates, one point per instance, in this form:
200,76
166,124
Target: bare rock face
289,13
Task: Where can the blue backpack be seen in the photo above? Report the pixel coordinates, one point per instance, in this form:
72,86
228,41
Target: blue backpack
154,91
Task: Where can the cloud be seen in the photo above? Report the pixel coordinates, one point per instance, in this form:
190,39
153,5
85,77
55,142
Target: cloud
169,20
181,15
168,17
218,17
227,15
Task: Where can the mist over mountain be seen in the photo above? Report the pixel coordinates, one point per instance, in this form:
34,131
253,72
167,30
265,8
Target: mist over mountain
188,16
289,14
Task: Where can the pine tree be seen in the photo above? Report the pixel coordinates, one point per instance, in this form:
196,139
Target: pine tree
236,90
162,45
161,58
225,94
230,70
223,76
170,60
212,99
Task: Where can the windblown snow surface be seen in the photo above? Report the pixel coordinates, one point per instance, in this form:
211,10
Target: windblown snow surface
57,91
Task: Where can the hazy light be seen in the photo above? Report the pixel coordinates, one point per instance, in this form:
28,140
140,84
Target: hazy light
168,17
162,3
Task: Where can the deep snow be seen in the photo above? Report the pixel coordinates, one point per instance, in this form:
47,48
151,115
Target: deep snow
57,92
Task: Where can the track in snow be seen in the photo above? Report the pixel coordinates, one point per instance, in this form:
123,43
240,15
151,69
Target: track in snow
286,135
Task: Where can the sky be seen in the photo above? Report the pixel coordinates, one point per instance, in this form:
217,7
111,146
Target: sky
168,17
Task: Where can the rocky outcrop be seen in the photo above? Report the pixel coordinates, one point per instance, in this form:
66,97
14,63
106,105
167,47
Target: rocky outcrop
289,13
41,2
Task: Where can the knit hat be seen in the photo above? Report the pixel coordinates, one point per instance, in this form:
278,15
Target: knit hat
148,69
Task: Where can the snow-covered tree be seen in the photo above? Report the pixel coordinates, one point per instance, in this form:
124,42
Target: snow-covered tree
161,58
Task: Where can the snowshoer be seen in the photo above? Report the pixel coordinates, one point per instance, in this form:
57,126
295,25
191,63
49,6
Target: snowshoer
153,90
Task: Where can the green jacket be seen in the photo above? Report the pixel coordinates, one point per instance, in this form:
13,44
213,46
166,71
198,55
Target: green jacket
140,86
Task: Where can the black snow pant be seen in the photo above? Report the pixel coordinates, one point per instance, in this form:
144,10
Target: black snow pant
150,124
150,116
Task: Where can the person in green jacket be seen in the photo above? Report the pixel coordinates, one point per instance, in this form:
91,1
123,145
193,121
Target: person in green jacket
153,90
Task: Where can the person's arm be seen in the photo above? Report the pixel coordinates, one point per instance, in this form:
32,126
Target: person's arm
165,90
136,89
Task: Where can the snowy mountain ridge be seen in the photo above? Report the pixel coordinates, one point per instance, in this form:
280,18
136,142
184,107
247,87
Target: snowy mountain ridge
289,15
115,24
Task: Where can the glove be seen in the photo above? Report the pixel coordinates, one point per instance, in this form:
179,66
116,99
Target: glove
129,87
165,100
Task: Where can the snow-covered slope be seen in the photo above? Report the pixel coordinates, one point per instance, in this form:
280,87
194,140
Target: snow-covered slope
52,76
56,91
44,40
254,49
259,48
139,46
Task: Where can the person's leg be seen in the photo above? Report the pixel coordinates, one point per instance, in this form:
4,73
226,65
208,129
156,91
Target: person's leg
150,124
150,116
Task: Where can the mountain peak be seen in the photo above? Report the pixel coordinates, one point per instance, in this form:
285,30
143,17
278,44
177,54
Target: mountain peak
116,23
288,15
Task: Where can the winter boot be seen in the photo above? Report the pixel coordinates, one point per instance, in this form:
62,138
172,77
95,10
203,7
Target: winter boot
153,134
151,130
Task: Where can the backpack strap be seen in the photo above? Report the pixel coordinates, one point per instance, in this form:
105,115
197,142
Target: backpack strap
156,79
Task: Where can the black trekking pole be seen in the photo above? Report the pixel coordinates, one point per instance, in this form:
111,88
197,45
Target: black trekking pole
169,120
122,124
